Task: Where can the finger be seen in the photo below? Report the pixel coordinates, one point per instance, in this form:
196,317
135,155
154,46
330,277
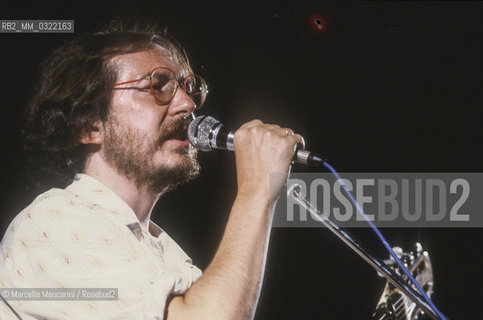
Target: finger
288,131
301,142
298,141
285,132
271,126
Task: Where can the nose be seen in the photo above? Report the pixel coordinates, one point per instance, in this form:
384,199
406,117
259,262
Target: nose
181,105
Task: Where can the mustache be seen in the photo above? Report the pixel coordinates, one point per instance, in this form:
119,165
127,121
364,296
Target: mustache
175,129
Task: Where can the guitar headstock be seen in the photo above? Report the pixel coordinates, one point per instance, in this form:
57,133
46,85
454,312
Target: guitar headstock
393,304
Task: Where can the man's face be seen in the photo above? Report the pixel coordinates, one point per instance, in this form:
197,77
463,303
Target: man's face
146,141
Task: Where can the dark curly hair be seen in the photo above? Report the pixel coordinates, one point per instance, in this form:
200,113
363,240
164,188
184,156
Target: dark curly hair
73,91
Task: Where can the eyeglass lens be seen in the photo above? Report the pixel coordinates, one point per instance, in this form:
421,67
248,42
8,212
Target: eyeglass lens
196,88
163,85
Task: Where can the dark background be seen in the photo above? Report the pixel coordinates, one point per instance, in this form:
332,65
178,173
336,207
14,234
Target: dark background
387,87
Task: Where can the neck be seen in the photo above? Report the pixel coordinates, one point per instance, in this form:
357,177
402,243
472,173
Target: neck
138,198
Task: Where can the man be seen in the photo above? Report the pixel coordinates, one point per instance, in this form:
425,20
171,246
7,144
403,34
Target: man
108,122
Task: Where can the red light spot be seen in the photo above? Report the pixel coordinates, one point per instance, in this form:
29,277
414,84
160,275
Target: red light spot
317,23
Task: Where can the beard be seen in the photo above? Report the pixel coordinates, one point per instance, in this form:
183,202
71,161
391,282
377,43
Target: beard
131,152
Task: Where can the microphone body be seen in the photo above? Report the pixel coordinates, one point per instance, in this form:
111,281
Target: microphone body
206,133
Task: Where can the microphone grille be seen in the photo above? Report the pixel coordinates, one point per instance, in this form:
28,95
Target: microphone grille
199,132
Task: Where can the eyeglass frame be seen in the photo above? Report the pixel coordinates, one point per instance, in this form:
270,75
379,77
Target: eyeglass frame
177,81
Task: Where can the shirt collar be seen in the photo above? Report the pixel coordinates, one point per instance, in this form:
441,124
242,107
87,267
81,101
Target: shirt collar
99,194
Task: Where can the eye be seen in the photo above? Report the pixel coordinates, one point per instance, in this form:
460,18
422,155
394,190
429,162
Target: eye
160,82
162,88
157,86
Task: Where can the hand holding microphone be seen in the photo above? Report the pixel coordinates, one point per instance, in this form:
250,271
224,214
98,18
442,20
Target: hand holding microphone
261,149
206,133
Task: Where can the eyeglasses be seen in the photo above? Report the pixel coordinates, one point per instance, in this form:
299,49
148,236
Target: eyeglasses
163,86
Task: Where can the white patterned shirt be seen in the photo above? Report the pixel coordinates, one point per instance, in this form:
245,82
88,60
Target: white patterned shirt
85,236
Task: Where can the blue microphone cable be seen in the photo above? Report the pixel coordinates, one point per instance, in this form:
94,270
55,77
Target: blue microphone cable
383,240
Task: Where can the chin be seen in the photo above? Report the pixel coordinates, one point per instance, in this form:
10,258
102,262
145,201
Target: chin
179,157
180,169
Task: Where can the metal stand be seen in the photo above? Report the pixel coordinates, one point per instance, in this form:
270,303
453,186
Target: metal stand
375,262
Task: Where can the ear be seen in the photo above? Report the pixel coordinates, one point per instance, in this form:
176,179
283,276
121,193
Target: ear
93,134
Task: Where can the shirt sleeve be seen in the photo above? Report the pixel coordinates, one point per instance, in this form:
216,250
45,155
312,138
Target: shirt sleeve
54,244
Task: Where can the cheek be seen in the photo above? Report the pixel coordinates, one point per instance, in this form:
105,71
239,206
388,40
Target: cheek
139,110
149,122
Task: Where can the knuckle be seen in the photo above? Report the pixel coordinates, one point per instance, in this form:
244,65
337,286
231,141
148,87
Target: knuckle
269,134
237,134
240,134
257,130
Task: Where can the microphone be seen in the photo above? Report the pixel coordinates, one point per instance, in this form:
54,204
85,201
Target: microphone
206,133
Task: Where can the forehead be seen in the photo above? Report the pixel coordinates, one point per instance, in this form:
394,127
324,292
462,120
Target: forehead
135,65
